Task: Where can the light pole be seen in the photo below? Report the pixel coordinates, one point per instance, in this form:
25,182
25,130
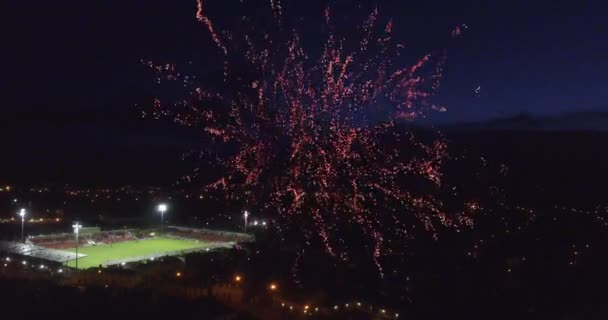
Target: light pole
162,208
76,227
22,214
245,216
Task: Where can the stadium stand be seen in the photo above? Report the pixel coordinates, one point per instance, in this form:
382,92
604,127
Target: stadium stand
67,240
38,252
208,235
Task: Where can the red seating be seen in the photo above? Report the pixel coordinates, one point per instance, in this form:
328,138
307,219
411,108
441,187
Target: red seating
65,241
204,235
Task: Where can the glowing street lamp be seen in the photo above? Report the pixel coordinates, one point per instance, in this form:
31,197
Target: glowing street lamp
76,227
162,208
245,216
22,215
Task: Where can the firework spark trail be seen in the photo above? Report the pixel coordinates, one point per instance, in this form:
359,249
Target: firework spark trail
200,15
459,30
308,153
277,10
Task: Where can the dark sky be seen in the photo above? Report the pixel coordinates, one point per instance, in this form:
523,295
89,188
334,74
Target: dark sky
71,72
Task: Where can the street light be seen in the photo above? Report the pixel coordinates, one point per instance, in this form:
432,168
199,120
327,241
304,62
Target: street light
76,227
22,215
245,216
162,208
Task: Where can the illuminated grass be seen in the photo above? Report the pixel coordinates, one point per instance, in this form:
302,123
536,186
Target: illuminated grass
100,254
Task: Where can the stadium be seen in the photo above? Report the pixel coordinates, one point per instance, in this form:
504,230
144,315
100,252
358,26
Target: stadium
94,247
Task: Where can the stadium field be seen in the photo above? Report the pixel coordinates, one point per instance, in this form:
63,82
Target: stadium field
100,254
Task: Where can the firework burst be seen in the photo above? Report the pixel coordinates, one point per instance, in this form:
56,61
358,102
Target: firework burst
318,139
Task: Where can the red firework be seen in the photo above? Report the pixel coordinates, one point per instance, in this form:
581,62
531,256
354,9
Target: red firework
317,140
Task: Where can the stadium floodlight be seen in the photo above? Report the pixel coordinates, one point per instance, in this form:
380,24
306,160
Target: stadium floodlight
22,215
162,208
245,216
76,227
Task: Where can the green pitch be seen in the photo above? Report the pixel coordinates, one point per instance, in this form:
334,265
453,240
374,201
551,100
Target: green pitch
99,254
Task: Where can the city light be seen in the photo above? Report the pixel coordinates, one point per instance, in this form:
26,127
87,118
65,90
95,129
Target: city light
237,278
273,287
179,274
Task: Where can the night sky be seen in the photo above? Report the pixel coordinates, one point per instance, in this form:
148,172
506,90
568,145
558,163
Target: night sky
71,71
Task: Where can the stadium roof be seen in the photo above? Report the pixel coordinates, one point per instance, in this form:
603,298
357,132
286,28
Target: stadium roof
33,251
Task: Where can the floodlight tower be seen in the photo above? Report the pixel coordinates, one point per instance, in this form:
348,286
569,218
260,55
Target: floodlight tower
245,216
162,208
76,227
22,215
